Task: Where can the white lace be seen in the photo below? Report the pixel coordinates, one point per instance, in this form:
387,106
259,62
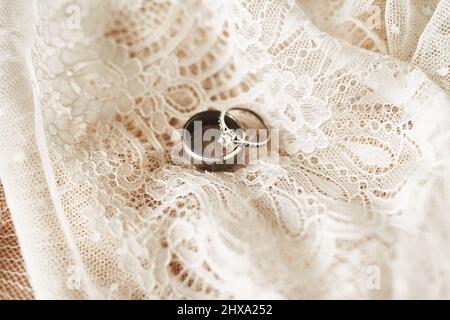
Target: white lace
93,90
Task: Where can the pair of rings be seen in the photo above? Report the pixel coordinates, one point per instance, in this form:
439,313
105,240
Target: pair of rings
228,134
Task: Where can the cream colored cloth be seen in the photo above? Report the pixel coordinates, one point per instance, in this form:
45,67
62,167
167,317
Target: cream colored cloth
357,205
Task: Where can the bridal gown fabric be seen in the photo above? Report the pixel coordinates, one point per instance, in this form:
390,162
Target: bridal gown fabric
355,206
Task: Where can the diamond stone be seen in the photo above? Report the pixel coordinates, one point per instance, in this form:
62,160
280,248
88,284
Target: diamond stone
226,139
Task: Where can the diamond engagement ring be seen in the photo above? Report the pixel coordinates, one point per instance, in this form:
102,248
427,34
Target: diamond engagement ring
229,137
204,143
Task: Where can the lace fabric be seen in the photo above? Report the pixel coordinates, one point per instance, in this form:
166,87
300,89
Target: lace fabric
14,282
94,91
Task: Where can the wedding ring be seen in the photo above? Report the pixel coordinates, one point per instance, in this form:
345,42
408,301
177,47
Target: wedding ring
228,135
194,140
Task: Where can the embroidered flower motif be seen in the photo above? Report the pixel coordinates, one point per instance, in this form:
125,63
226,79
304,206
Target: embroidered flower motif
96,86
297,110
103,221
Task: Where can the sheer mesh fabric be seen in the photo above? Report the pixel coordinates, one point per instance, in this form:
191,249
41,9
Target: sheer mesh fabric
14,283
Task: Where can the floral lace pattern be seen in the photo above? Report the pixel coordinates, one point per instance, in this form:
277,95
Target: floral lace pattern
112,90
